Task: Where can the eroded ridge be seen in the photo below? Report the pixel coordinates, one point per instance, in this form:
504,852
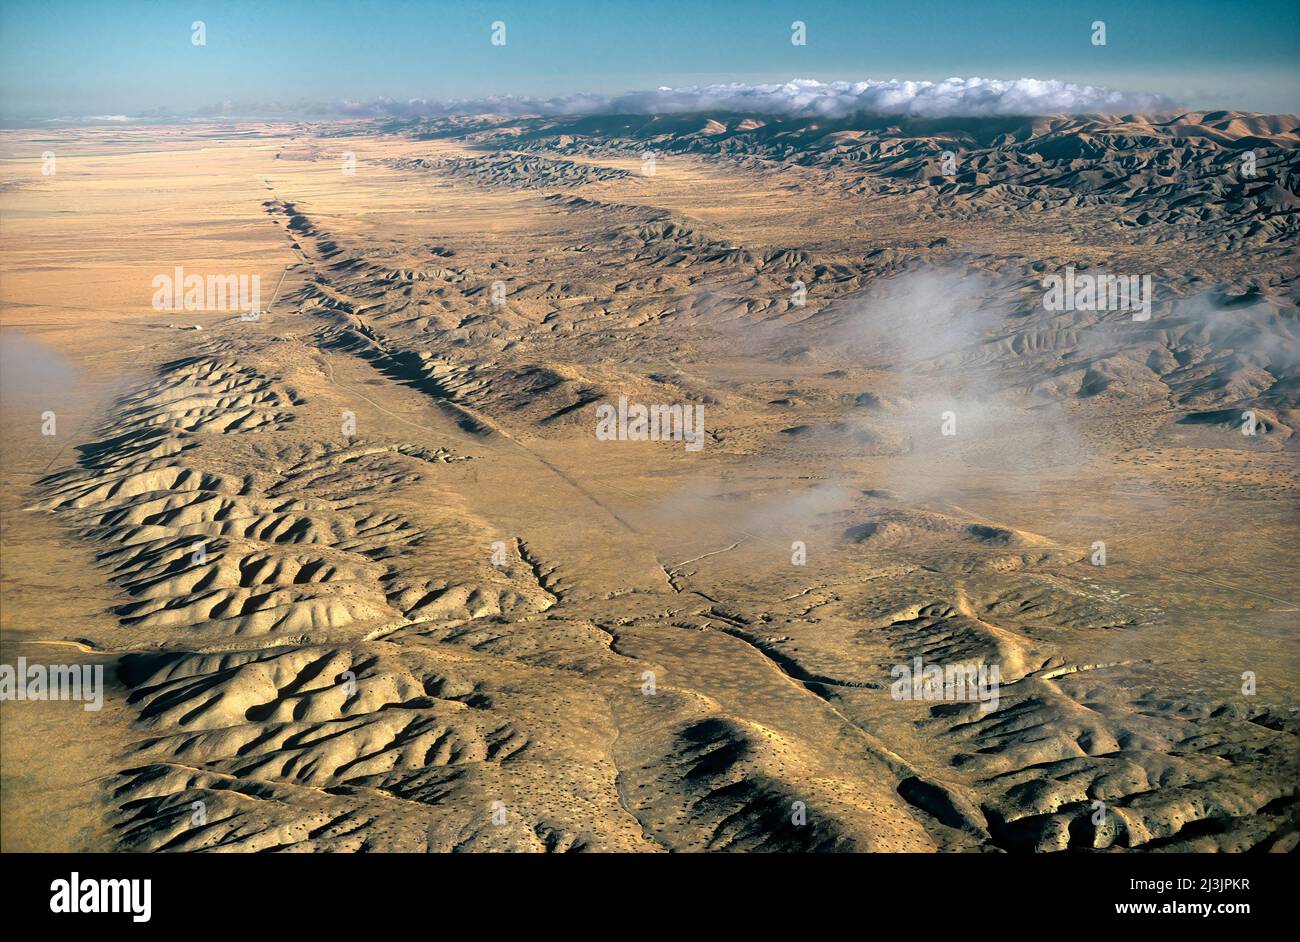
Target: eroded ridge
207,555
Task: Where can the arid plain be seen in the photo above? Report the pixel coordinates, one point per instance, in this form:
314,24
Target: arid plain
363,577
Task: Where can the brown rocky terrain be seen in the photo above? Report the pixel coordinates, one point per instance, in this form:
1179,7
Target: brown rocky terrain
363,576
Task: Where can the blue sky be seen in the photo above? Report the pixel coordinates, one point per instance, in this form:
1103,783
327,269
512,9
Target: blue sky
74,57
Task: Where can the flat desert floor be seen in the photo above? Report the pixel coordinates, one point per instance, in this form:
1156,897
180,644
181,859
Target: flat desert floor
362,575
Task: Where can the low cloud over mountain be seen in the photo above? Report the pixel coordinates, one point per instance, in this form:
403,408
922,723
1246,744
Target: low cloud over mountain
797,98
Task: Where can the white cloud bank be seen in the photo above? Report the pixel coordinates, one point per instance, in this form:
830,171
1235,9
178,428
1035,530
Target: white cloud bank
954,97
